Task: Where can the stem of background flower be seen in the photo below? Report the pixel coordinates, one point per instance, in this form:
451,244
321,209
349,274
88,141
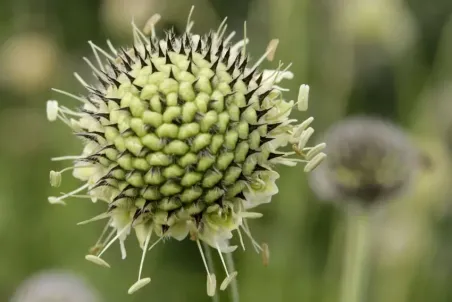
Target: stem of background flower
233,287
355,266
211,265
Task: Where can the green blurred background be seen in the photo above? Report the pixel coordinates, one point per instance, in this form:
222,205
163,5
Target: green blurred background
387,57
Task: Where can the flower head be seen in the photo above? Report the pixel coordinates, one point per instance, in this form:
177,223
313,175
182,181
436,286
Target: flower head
369,160
55,286
181,135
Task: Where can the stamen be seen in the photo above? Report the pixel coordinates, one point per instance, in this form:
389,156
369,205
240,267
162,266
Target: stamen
251,215
220,28
229,277
91,65
305,136
270,51
112,48
265,254
55,178
52,110
142,282
96,55
59,200
103,232
314,162
228,38
244,39
211,280
95,218
272,45
303,97
103,52
222,32
300,128
71,112
247,231
123,249
80,79
69,157
139,34
97,260
189,22
119,234
241,239
138,285
156,242
315,150
71,95
145,249
238,45
149,27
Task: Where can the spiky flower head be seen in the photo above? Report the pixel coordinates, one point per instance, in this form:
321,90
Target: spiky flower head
369,160
55,286
182,135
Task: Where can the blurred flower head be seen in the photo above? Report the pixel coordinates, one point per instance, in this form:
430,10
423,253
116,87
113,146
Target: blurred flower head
182,137
388,23
369,160
55,286
117,14
28,62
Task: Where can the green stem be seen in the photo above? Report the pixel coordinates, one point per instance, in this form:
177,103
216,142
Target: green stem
211,266
233,287
355,269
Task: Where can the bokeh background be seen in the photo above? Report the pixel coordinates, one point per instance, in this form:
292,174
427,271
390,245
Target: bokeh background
391,58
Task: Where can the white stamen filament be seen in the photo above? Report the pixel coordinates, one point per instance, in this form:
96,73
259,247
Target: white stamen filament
94,68
189,22
96,55
103,232
80,79
271,48
54,200
139,34
222,260
71,95
103,52
149,27
313,163
228,38
211,279
156,242
112,48
95,218
247,231
69,157
145,249
244,39
119,234
238,45
242,244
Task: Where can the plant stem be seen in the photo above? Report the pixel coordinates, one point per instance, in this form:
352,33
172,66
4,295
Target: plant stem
211,265
355,267
233,287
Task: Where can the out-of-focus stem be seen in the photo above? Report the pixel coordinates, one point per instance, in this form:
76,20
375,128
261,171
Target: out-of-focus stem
355,267
233,287
211,266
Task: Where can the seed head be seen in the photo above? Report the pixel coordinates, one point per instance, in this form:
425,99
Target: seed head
182,135
369,160
55,286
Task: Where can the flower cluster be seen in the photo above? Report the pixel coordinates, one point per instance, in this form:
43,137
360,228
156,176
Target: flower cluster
182,135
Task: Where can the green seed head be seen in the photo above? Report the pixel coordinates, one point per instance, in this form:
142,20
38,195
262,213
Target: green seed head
181,136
